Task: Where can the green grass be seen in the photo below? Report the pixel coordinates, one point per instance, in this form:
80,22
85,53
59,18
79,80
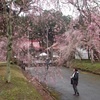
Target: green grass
19,88
87,66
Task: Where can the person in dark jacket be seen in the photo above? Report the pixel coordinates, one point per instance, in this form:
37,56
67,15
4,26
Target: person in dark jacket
74,81
47,63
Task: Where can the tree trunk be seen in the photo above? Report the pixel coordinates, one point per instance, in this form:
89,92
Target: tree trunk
9,49
88,53
96,55
92,57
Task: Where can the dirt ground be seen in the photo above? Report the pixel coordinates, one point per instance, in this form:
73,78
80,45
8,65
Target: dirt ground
43,91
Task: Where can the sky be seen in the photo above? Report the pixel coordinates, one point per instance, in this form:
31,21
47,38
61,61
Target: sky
69,10
66,9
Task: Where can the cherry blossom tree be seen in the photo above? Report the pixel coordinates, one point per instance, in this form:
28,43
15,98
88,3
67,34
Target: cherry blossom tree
50,21
19,16
10,10
87,24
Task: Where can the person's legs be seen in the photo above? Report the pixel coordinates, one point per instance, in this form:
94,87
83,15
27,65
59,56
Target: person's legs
47,66
75,89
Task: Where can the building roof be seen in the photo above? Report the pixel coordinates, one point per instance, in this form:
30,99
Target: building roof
26,43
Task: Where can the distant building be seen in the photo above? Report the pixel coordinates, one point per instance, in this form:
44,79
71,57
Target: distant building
81,54
27,43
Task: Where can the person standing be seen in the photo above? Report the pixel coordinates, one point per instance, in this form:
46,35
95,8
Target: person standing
74,81
47,63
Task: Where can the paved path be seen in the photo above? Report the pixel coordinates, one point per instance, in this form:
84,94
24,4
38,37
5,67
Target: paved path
59,79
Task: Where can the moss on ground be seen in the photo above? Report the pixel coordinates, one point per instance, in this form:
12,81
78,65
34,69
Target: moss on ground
52,92
19,88
86,65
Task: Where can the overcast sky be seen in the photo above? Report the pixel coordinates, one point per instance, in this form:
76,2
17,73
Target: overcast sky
66,9
69,10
